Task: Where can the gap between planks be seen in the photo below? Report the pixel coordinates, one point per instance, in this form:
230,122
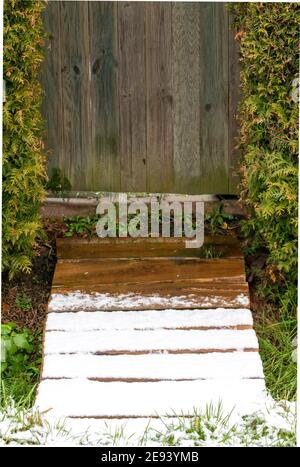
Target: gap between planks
139,380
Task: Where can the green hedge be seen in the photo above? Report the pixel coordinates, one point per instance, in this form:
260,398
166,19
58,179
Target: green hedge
23,157
268,117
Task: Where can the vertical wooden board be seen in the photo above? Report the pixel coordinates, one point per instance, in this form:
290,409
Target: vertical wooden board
51,83
132,100
103,160
75,90
214,97
186,68
158,24
234,95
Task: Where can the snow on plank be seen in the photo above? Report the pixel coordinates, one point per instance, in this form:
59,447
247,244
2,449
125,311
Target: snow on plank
84,398
194,298
150,319
236,365
147,341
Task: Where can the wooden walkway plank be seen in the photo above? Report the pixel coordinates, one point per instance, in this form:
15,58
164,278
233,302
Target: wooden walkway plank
124,341
148,270
84,398
147,320
152,296
154,366
74,249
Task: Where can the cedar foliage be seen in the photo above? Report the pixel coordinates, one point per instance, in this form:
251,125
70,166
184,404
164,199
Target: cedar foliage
268,118
23,158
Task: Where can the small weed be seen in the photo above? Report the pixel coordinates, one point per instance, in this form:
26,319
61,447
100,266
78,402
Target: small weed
218,220
20,366
23,302
81,226
210,252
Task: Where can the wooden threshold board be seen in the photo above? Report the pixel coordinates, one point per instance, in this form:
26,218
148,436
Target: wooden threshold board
74,249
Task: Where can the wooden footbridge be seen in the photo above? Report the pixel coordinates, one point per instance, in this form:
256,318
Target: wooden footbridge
142,328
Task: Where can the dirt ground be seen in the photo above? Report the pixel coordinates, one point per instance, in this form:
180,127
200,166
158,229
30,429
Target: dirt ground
36,285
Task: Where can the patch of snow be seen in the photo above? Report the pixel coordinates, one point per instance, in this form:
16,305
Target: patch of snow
235,365
103,341
243,299
80,397
77,301
150,319
273,424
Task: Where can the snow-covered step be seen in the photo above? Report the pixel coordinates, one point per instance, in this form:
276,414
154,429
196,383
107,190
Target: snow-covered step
175,295
236,365
84,398
127,341
150,319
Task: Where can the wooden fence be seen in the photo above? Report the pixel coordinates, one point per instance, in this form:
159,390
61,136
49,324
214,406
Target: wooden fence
141,96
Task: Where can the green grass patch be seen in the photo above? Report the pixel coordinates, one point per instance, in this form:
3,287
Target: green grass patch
277,342
20,363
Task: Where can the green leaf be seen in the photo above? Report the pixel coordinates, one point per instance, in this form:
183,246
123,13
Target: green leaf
21,341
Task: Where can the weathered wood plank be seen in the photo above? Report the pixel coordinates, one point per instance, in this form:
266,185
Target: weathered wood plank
213,98
160,366
75,90
74,249
186,94
103,161
181,295
52,105
132,95
158,37
234,96
142,96
124,271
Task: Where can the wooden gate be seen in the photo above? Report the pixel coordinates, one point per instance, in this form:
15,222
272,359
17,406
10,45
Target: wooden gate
141,96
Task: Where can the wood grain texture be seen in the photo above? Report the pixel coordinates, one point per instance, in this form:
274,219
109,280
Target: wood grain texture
78,249
186,92
132,89
234,96
141,270
52,105
104,157
75,90
142,96
158,38
213,98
